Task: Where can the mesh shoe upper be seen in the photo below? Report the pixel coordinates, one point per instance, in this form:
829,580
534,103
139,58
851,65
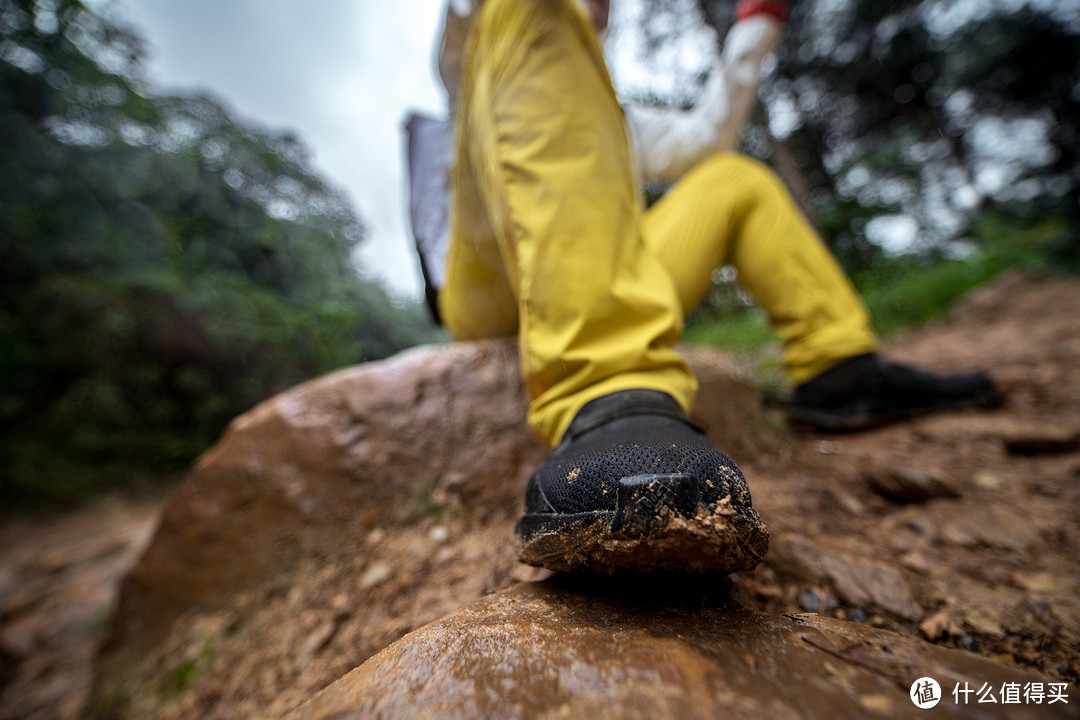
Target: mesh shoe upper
640,433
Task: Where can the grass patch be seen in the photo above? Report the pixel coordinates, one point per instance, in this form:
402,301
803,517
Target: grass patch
908,295
743,330
187,671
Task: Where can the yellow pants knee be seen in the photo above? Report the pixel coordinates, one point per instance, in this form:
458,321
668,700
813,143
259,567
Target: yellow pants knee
546,232
733,210
548,241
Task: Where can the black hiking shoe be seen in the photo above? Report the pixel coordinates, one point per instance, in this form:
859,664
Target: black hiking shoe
867,391
634,485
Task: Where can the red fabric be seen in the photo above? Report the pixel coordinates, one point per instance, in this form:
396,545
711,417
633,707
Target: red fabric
748,8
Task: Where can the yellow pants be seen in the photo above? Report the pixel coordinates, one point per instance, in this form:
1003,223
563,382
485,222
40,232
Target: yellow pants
548,240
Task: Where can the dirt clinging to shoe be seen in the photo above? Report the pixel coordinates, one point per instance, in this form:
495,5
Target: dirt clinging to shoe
715,539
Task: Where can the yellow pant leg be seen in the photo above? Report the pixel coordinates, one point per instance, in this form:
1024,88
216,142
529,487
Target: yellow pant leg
733,209
544,190
477,299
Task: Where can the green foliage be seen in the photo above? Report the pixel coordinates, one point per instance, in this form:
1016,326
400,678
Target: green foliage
163,267
920,108
907,291
734,329
1050,244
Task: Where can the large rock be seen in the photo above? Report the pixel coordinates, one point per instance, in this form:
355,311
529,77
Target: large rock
328,460
621,648
341,516
335,517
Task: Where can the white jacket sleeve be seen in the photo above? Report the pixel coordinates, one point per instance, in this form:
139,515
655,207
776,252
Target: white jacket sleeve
666,143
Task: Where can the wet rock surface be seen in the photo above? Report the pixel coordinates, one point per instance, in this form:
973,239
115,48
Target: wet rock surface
645,647
341,516
335,517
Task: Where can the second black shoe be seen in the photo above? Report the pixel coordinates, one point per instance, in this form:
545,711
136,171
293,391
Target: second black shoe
634,485
866,391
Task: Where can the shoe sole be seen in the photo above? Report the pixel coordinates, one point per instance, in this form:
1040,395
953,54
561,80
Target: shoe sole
852,420
659,523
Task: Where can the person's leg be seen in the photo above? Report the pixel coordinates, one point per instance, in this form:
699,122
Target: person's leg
732,209
477,300
544,174
545,208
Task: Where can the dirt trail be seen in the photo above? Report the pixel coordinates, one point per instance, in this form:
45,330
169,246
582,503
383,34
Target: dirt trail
983,552
58,578
989,559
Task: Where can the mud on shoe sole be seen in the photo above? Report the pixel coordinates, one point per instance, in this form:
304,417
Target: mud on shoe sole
659,523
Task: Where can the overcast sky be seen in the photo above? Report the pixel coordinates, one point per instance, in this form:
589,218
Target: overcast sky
341,73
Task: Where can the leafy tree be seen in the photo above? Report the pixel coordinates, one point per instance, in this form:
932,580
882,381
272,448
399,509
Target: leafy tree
163,266
911,117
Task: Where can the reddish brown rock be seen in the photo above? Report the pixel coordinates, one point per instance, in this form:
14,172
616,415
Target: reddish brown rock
389,482
329,460
340,455
621,648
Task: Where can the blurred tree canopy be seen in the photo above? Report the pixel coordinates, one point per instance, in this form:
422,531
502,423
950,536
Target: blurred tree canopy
163,266
899,124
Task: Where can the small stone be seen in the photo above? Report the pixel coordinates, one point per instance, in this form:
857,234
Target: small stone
880,704
1036,582
954,535
809,601
857,580
987,480
828,447
1038,606
939,624
317,639
983,624
20,639
849,502
447,554
376,574
908,484
527,573
439,534
917,561
341,605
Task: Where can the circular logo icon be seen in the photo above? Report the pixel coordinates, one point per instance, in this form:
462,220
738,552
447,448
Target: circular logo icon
925,693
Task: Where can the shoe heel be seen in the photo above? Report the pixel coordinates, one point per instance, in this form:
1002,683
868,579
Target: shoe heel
646,503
